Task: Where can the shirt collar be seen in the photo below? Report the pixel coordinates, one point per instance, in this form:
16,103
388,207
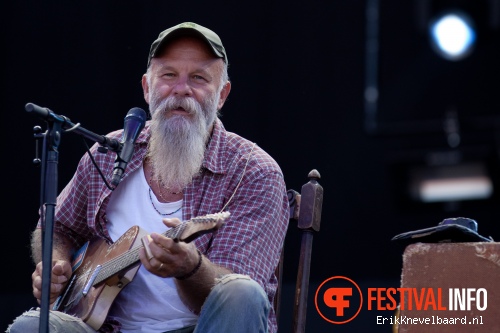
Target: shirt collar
215,152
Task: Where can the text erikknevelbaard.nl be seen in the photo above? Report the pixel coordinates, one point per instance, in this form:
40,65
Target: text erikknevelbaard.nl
431,320
459,299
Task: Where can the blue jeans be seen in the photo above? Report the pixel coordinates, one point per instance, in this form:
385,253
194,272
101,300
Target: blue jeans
235,304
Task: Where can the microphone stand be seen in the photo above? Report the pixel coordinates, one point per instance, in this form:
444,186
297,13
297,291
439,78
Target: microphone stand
48,190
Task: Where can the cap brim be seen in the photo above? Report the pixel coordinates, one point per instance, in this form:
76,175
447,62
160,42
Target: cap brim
453,233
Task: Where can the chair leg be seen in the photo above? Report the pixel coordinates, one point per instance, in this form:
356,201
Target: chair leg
300,304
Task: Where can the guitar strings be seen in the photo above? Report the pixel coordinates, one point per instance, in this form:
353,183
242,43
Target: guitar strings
133,253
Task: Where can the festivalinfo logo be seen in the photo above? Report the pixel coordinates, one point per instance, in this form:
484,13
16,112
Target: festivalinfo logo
339,300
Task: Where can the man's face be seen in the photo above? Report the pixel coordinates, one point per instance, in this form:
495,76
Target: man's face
186,69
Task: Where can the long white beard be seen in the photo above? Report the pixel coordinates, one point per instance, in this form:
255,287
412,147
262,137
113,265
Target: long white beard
178,142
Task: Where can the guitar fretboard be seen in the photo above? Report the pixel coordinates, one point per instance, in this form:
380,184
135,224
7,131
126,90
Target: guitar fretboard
131,256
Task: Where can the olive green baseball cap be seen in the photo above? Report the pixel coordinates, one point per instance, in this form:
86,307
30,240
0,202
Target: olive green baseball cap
192,29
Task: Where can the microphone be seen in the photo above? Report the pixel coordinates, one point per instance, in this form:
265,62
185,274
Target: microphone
132,126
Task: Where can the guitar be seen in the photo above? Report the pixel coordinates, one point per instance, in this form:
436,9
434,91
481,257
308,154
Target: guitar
101,271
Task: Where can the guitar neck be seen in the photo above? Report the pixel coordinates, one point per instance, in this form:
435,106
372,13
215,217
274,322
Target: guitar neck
187,231
128,258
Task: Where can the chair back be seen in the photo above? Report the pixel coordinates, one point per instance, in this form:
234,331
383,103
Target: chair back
305,210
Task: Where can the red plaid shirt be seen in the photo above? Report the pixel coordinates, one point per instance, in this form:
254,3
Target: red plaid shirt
250,240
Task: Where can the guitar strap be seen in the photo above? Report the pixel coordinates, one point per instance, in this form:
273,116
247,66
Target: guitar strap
78,256
239,182
234,192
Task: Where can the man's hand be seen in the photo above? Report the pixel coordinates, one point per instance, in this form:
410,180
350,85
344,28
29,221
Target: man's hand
167,258
61,273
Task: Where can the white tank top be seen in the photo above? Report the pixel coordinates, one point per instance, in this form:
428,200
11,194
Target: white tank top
149,303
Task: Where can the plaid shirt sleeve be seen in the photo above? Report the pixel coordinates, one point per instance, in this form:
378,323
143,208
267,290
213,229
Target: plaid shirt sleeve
77,204
250,242
248,183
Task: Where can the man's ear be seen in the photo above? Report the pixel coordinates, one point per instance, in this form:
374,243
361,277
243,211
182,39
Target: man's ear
223,94
145,87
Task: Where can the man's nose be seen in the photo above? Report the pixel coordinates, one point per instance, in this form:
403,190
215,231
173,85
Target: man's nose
182,87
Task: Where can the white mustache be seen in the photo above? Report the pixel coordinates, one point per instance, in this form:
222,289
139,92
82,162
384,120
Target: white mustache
189,104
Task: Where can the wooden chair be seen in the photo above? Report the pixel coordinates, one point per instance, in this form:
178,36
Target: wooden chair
305,210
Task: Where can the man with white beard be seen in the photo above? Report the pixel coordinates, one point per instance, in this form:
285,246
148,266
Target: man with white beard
185,166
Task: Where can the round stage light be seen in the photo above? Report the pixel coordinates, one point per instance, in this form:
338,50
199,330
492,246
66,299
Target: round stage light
453,35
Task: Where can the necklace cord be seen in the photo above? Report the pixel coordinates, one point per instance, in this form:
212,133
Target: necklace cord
153,204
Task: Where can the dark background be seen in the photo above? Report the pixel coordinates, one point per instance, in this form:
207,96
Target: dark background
298,72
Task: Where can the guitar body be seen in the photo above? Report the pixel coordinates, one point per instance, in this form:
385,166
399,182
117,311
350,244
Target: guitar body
93,307
101,271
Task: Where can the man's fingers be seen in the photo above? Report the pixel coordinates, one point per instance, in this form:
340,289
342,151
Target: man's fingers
146,240
37,282
61,271
173,222
55,288
160,241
